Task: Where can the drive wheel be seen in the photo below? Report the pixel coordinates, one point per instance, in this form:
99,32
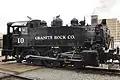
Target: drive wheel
48,63
52,63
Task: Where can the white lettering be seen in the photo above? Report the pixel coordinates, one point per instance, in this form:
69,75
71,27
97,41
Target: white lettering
43,37
20,40
59,37
70,37
54,37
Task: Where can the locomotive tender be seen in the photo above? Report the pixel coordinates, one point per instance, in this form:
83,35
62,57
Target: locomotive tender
78,45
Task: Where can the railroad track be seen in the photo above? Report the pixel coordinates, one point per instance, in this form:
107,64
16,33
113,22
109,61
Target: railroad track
14,77
17,69
93,70
100,71
7,76
10,71
72,74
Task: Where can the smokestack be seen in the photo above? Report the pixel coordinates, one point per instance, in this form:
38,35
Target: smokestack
103,22
94,19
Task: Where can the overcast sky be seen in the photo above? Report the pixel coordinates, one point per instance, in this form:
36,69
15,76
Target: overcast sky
18,10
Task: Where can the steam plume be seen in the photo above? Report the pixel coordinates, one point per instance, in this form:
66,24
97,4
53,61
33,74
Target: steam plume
104,6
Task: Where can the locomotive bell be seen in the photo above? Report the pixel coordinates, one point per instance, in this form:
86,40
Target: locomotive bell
74,22
57,22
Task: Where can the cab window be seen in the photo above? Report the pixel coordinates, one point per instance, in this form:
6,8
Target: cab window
24,30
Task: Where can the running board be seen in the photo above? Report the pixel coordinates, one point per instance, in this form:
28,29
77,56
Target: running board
50,58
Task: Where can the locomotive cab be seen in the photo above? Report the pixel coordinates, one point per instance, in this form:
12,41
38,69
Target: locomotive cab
13,29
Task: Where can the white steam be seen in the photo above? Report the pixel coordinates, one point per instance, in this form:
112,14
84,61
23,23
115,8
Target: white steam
104,6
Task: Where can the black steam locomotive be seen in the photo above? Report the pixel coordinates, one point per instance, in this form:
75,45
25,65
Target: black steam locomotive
77,45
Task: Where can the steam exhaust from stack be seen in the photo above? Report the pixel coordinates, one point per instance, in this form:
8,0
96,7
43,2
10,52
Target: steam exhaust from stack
104,6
